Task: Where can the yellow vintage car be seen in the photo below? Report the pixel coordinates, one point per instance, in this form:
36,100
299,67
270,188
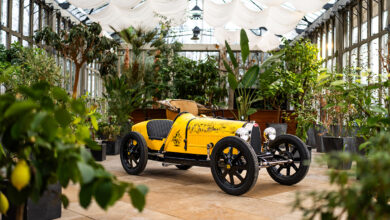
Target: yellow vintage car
232,149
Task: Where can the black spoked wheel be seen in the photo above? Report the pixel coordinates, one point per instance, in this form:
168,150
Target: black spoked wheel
289,147
134,153
234,165
183,167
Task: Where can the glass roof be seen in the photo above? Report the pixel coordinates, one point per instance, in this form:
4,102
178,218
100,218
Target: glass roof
184,32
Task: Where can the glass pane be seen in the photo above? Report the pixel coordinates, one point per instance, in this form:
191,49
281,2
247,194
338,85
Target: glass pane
45,18
14,39
375,18
15,15
25,43
354,58
319,44
323,47
346,31
330,40
3,37
374,60
4,16
345,59
354,25
384,18
26,18
73,73
364,15
67,74
384,52
364,61
36,17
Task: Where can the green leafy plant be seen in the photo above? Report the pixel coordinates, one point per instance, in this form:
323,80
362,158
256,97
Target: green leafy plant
43,139
292,77
123,97
243,85
82,44
108,131
161,83
350,103
26,66
198,80
366,198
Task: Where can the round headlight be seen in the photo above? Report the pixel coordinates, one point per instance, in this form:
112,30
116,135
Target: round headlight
243,133
270,133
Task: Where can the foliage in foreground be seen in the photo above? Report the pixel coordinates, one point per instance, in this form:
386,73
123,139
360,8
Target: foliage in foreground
366,198
43,132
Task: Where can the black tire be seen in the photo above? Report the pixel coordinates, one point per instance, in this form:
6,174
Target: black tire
289,147
134,157
183,167
227,162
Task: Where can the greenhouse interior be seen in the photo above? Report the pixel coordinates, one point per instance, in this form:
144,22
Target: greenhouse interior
194,109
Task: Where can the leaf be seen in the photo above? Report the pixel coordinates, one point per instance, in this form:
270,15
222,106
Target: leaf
63,117
85,195
251,111
86,171
60,94
20,107
2,153
82,132
232,81
38,119
65,200
137,195
227,66
78,107
250,76
77,120
244,44
94,122
231,55
103,193
337,83
275,57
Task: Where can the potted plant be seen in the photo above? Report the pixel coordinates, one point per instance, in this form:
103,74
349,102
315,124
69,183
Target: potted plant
339,112
108,133
42,143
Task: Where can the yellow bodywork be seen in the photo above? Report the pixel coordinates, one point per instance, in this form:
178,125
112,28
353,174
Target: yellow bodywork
201,131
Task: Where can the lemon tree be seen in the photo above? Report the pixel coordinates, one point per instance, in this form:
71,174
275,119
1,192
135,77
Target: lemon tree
43,137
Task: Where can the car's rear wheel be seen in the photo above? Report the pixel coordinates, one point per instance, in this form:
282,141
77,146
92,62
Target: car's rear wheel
134,153
183,167
286,147
234,165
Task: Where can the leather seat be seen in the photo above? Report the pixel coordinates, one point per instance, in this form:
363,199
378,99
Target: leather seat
158,129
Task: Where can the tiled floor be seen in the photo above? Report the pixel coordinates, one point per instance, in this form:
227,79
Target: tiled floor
193,194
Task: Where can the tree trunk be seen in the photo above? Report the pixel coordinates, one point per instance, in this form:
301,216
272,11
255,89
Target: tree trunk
279,110
76,81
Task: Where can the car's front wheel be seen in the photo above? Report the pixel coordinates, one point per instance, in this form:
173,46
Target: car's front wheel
286,147
234,165
134,153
